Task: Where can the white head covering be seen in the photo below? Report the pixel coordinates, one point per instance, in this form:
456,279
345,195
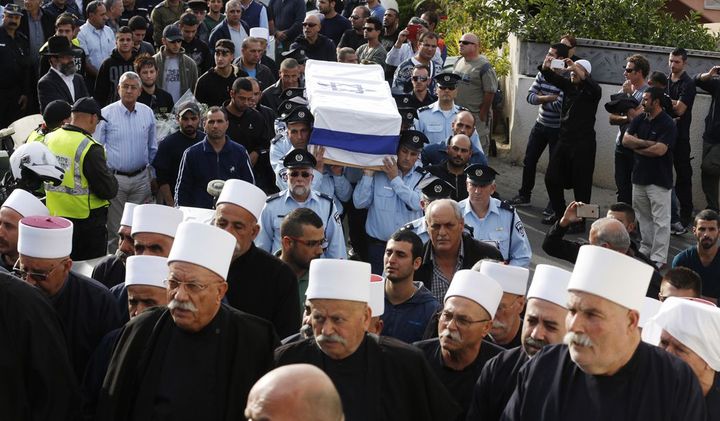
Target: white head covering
694,324
611,275
146,270
45,237
203,245
243,194
127,216
336,279
25,204
477,287
158,219
512,279
259,32
550,284
586,65
650,308
377,295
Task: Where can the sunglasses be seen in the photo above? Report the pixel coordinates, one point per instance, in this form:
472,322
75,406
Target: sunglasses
222,51
463,42
420,78
446,88
303,174
369,29
175,41
625,69
309,25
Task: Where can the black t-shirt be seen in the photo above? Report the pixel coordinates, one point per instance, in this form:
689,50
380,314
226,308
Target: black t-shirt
684,90
200,53
161,102
654,170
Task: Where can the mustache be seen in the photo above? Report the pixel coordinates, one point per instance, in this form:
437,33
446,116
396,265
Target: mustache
121,255
498,325
454,336
334,338
182,305
306,331
529,341
572,338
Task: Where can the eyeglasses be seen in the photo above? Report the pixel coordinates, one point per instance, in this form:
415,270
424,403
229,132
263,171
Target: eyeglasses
625,69
309,25
303,174
460,321
369,29
353,17
38,276
191,287
223,52
463,42
174,41
446,88
420,78
311,243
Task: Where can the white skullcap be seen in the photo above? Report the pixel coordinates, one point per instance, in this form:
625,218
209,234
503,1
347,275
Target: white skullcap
611,275
585,65
336,279
146,270
694,324
127,216
241,193
25,203
377,295
45,237
550,284
157,219
650,308
477,287
512,279
259,32
203,245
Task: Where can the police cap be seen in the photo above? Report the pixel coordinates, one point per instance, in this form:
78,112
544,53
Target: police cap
480,174
413,139
438,189
408,114
296,53
447,79
299,158
296,114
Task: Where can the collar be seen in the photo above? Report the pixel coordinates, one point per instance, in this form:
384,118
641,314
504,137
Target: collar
66,78
288,197
208,148
492,208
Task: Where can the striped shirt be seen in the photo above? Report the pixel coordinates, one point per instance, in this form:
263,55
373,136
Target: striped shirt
549,113
439,284
128,136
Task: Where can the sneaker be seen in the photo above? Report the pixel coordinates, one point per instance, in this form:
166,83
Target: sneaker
677,228
549,220
548,210
520,200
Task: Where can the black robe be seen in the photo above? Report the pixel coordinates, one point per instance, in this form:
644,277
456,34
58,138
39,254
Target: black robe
237,349
261,284
396,382
459,383
88,311
653,385
514,343
495,385
712,400
110,271
37,381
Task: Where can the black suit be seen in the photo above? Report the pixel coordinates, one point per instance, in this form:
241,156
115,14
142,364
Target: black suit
52,87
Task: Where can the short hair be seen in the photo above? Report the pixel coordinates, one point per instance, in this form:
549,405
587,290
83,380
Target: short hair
292,224
391,9
435,203
407,236
571,38
242,84
421,67
706,215
93,6
226,43
144,60
426,35
658,78
138,23
123,30
684,278
617,239
679,51
344,52
377,23
366,11
432,17
624,208
656,93
66,19
248,40
561,49
109,3
233,3
130,75
289,64
640,62
216,109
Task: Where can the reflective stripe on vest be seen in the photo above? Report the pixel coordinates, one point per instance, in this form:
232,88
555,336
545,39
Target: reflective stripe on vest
77,177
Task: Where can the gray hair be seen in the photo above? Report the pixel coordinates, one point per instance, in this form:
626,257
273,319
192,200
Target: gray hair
612,232
131,76
109,3
233,3
443,202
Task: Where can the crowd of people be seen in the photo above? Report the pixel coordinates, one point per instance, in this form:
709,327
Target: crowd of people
238,273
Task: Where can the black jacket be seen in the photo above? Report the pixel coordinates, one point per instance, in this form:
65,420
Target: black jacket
46,22
580,102
213,89
109,76
51,87
323,49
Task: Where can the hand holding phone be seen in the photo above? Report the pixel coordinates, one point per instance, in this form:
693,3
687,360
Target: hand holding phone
588,211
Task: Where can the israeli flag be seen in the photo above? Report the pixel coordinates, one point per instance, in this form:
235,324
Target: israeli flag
356,118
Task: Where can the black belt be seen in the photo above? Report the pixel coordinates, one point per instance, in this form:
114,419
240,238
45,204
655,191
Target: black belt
374,240
131,173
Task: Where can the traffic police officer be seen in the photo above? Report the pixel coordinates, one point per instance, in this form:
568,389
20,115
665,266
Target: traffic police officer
391,195
300,164
56,114
494,222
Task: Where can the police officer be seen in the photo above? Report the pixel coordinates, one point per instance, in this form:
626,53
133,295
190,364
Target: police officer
87,186
433,188
56,114
300,164
494,222
16,81
408,116
391,195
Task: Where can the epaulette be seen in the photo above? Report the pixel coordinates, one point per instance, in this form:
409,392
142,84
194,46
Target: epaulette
506,205
272,197
276,139
470,230
409,226
461,108
325,196
425,108
421,170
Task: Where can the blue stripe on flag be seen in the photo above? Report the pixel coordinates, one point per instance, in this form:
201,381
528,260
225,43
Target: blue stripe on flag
364,143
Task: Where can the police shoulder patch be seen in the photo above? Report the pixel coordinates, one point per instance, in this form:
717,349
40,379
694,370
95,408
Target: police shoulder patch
461,108
520,228
425,108
276,139
272,197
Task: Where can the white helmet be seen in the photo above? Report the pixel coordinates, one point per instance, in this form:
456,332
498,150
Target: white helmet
38,159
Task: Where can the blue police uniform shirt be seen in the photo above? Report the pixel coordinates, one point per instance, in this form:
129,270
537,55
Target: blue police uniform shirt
280,204
436,125
390,203
419,228
496,228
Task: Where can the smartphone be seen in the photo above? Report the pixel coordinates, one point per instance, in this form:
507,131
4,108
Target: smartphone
557,64
413,31
588,211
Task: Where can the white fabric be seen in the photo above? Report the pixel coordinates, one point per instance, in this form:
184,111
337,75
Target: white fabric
611,275
45,237
206,216
69,82
477,287
694,324
512,279
650,308
243,194
158,219
146,270
377,295
259,32
586,65
128,212
24,203
336,279
653,206
171,77
203,245
550,283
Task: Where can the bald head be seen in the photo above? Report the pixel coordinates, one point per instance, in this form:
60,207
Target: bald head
463,123
312,18
460,140
469,46
610,233
297,392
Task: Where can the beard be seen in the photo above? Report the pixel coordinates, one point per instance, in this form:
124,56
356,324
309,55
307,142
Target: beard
121,255
68,68
300,190
532,346
707,243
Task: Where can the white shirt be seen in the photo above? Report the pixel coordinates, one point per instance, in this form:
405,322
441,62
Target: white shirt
68,81
97,43
398,55
237,39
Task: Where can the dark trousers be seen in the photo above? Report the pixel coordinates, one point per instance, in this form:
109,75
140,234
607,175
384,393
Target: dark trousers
710,173
9,108
571,166
624,161
90,236
683,181
376,255
540,137
356,229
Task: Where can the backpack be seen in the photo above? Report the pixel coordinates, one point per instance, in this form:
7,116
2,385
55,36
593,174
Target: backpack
499,96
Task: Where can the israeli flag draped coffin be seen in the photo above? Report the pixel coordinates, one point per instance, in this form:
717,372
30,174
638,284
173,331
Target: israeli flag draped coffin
356,118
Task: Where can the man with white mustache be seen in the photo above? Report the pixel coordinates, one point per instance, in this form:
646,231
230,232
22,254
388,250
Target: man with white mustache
605,372
506,325
460,353
544,324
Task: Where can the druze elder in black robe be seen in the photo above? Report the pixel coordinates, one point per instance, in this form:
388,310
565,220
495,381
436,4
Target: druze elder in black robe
605,372
377,378
513,280
258,282
18,205
544,324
